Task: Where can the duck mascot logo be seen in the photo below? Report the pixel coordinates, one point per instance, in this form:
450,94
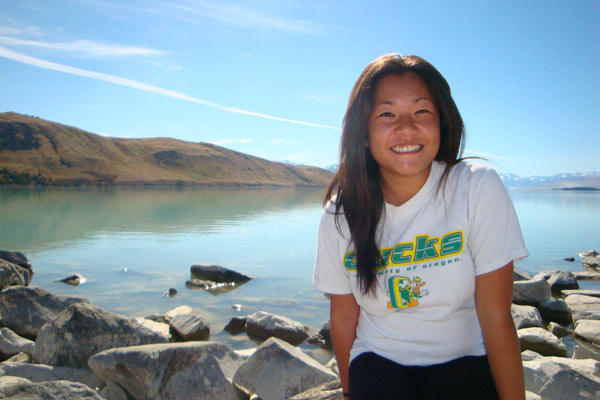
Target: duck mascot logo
404,292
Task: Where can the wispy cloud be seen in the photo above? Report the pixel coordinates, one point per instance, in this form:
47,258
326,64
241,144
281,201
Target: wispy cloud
37,62
229,141
489,155
85,47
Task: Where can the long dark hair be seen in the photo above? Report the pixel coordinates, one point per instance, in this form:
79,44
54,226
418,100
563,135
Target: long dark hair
357,183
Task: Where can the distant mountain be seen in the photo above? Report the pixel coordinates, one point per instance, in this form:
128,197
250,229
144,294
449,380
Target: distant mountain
33,150
558,181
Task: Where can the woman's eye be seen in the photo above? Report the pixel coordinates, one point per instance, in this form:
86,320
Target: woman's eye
386,114
422,111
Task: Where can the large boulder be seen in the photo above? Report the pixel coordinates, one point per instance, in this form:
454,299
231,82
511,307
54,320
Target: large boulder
541,341
537,370
83,330
52,390
26,309
588,330
526,316
531,291
192,370
217,273
559,280
571,384
11,344
265,325
278,370
583,307
43,373
17,258
327,391
555,310
13,275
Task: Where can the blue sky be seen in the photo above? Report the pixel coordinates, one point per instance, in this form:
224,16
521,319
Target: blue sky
271,78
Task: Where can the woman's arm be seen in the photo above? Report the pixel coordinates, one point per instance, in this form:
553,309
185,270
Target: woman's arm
344,313
493,297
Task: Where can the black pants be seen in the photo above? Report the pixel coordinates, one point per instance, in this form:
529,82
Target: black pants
376,378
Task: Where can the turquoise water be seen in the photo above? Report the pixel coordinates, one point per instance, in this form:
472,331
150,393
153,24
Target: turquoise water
133,244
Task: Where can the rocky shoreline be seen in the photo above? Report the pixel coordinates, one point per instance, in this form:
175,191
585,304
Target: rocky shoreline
56,347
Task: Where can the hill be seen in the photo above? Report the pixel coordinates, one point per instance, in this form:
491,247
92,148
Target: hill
34,150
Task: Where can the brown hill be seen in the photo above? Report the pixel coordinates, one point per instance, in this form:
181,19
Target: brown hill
34,150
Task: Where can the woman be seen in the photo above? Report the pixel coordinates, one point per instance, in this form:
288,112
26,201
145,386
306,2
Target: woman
416,248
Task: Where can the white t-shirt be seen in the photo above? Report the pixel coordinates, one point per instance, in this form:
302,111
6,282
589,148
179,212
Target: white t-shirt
433,246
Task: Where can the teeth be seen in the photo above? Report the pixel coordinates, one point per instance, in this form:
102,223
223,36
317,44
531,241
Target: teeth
407,148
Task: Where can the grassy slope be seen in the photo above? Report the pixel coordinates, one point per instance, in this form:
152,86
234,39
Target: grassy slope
69,155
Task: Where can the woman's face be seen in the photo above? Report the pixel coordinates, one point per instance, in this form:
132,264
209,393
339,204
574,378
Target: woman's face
404,131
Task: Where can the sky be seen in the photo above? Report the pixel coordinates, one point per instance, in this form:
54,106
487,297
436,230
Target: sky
271,78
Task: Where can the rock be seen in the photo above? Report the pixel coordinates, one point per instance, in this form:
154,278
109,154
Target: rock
559,280
541,341
325,333
588,330
589,367
171,292
49,391
17,258
589,253
327,391
531,292
83,330
316,340
193,370
519,275
531,396
43,373
537,371
570,384
555,310
73,279
584,292
558,330
190,327
569,259
236,325
237,307
12,380
22,358
113,391
26,309
211,286
245,353
217,273
159,328
584,350
265,325
13,275
332,365
525,316
11,344
181,310
587,275
583,307
591,262
278,370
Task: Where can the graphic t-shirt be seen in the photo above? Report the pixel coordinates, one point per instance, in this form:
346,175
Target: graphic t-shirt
432,247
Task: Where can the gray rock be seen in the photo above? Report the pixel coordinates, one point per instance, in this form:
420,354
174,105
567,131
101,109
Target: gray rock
555,310
73,280
525,316
592,262
558,330
217,273
537,371
588,330
26,309
588,367
22,358
190,327
327,391
160,328
584,350
332,365
181,310
531,396
17,258
584,292
43,373
519,275
583,307
83,330
265,325
236,325
245,353
112,391
12,380
559,280
325,333
11,344
587,275
589,253
193,370
541,341
278,370
531,292
13,275
58,390
570,384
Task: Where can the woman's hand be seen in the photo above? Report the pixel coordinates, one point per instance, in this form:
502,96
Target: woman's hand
493,297
344,312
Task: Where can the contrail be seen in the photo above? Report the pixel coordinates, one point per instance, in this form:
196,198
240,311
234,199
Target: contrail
37,62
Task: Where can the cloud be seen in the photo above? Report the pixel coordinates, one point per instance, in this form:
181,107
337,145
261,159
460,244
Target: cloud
228,141
36,62
488,155
85,47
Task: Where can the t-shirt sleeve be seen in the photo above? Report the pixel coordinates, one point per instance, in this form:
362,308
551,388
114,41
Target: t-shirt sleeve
329,274
495,237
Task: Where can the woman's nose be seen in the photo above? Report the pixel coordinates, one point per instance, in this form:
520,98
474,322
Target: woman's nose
405,124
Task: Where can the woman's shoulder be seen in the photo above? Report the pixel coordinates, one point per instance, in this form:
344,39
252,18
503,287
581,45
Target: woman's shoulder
472,173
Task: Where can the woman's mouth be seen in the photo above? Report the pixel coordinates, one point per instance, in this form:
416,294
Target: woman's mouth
407,148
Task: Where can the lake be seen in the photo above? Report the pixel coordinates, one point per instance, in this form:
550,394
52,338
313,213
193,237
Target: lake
132,244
